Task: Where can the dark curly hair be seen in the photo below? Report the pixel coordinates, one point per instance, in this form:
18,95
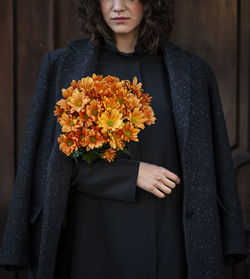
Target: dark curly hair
156,23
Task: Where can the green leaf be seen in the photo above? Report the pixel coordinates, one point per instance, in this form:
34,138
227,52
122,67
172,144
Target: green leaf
126,151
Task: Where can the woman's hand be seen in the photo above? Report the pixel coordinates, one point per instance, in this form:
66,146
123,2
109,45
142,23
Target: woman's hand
153,178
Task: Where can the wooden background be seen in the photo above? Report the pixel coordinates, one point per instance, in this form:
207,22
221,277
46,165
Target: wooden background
218,31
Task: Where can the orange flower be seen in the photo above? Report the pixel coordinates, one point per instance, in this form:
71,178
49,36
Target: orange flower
79,136
84,118
97,110
98,87
67,143
137,117
93,139
145,99
116,86
109,154
111,79
135,87
69,123
58,111
63,105
94,109
110,103
85,84
73,84
149,113
133,102
110,120
130,132
67,92
97,77
122,96
111,89
77,101
115,139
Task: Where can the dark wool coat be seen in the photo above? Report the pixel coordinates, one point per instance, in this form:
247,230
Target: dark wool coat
212,219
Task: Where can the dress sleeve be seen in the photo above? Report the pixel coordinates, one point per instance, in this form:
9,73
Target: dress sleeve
232,226
114,180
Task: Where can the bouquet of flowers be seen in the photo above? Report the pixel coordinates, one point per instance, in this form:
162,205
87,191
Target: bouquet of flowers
99,115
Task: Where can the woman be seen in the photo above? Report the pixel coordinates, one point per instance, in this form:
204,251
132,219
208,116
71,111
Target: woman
167,211
118,252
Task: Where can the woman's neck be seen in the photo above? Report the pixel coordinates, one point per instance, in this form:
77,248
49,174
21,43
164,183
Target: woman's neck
126,42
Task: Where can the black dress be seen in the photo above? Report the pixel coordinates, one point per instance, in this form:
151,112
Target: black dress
108,233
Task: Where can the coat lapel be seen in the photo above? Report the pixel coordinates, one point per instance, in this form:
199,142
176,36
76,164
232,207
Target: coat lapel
178,68
86,58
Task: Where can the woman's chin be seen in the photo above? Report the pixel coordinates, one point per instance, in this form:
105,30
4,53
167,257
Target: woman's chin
122,29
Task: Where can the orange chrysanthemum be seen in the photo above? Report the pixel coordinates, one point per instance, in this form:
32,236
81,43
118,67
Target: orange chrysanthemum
102,112
67,92
133,102
99,87
85,84
121,93
94,109
58,112
149,113
78,101
130,132
63,104
85,119
145,99
109,154
67,143
137,117
69,123
111,80
93,139
135,87
116,139
97,77
110,103
110,120
79,137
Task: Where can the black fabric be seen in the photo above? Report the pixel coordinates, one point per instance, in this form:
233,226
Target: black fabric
110,224
211,202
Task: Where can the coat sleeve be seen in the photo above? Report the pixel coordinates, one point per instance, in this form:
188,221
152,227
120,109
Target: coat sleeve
232,226
114,180
14,250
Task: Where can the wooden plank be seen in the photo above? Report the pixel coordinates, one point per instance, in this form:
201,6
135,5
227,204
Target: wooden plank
209,29
7,108
244,74
6,115
32,44
66,21
243,175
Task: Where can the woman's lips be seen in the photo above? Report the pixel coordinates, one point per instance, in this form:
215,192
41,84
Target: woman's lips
120,19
